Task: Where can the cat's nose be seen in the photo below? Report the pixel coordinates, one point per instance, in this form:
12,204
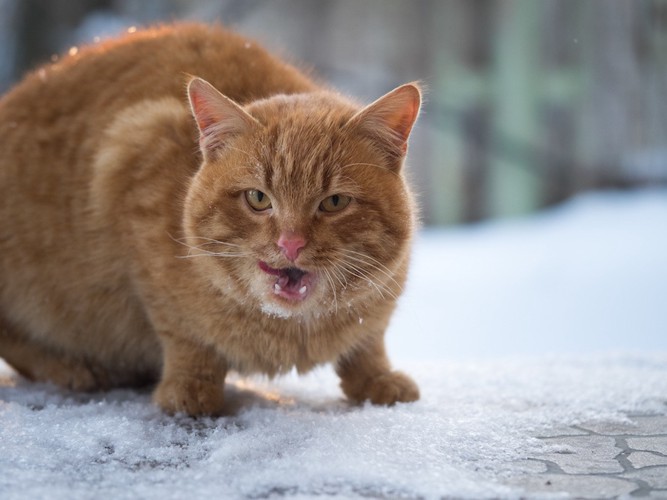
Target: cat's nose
291,244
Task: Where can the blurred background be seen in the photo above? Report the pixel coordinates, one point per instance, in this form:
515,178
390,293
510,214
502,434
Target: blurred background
529,102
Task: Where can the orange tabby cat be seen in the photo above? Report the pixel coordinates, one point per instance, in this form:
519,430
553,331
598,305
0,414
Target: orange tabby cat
151,234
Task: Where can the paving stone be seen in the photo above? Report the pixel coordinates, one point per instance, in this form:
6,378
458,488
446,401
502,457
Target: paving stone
528,466
585,454
637,426
562,431
655,477
651,425
654,443
640,459
574,486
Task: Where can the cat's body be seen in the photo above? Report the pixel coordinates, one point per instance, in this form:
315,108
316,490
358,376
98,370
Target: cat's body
127,254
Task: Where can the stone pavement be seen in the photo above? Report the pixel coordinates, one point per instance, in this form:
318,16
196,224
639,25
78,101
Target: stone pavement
601,460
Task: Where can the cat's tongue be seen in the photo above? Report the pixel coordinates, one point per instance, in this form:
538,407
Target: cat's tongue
292,283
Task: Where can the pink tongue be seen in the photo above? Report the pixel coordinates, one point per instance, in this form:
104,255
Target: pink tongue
283,281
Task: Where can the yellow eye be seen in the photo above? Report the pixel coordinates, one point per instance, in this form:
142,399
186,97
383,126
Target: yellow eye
335,203
257,200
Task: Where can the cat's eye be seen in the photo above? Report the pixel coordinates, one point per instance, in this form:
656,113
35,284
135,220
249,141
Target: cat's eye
335,203
257,200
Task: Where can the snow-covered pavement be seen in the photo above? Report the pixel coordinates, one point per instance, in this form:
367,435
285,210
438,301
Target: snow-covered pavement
515,331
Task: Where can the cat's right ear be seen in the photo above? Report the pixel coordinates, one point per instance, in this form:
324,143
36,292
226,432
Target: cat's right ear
218,117
390,119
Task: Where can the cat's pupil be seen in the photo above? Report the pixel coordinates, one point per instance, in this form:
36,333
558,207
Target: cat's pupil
334,200
260,196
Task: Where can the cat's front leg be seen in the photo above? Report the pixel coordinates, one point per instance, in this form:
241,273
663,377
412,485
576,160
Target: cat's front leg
193,378
367,375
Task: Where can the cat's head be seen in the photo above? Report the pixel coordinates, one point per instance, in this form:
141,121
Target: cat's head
300,206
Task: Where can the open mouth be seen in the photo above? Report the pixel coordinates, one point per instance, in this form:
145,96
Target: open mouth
291,283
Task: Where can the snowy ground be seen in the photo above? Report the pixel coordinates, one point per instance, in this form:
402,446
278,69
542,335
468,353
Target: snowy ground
512,330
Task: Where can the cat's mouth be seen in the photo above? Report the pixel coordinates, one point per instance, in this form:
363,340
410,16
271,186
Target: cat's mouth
291,283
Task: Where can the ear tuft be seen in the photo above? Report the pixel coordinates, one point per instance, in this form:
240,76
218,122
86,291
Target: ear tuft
217,116
390,119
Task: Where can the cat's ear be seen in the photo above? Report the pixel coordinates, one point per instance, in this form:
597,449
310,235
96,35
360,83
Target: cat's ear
390,119
218,117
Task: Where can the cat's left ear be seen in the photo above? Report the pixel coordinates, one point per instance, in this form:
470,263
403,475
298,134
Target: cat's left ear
218,117
390,119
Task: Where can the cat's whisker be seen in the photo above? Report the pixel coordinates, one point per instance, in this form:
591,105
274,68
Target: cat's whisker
199,251
368,274
209,241
366,257
368,278
327,274
212,254
338,274
372,263
340,277
242,151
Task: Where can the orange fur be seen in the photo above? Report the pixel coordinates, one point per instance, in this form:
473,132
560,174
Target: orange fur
128,253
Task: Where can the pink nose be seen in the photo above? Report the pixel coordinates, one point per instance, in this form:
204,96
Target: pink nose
291,244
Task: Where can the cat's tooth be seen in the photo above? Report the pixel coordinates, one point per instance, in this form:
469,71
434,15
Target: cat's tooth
277,288
303,289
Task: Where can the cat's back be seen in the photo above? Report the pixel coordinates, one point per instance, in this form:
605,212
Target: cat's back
78,95
54,254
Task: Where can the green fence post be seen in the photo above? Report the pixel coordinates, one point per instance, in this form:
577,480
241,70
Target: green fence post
515,180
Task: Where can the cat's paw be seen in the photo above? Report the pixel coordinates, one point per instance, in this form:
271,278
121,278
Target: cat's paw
70,374
192,396
385,389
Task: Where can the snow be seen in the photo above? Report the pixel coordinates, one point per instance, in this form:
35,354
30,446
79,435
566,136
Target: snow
588,276
511,329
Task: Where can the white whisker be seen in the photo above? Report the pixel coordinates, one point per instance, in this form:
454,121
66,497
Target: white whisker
212,254
333,288
252,157
209,241
368,278
369,261
199,251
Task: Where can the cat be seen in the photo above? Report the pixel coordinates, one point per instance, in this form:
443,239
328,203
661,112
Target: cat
177,203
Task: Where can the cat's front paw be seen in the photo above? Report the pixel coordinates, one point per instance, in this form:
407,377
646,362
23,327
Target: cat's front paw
385,389
192,396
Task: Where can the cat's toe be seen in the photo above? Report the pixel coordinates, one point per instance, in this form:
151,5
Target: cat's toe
193,397
71,374
388,389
